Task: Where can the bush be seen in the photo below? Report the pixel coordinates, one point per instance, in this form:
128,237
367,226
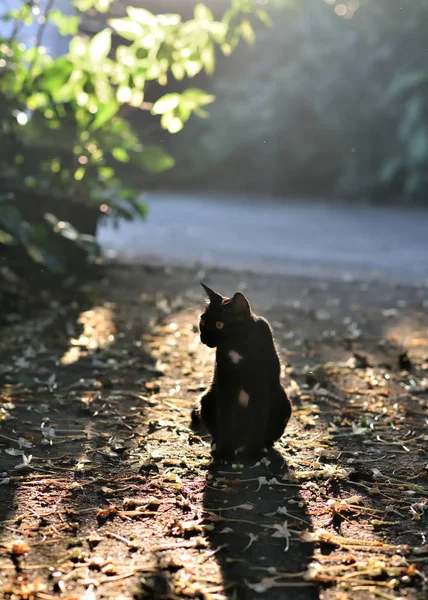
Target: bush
64,133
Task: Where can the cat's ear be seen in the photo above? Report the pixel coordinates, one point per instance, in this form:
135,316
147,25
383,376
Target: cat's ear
240,304
212,295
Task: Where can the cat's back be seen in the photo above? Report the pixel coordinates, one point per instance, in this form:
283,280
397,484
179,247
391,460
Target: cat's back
262,329
264,341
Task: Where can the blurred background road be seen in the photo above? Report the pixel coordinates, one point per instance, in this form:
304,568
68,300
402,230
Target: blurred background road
300,237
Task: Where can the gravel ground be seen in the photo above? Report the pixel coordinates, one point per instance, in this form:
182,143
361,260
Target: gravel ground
120,499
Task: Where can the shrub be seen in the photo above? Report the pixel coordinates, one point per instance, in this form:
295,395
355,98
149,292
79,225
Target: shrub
64,133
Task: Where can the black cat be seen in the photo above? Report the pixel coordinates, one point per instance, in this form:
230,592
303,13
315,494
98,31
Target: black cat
246,405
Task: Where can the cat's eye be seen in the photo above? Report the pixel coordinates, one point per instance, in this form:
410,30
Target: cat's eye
219,324
201,321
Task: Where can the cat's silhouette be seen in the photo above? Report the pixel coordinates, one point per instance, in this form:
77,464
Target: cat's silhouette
246,405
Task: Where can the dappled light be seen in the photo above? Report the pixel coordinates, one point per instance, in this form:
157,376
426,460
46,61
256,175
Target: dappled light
409,335
339,502
98,332
152,151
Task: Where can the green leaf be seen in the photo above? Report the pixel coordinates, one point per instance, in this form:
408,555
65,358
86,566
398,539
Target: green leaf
165,104
103,88
226,49
67,231
99,5
120,154
218,31
100,46
78,47
129,194
178,71
127,28
169,20
183,112
140,208
228,16
247,32
156,159
79,174
263,16
83,5
104,113
208,59
23,15
203,13
143,16
123,212
37,100
6,238
106,172
67,25
102,6
166,119
42,256
241,5
124,94
9,16
56,75
137,98
88,243
203,114
175,124
193,67
195,97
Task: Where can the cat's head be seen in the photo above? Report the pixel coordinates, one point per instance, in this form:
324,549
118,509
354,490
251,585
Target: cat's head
223,318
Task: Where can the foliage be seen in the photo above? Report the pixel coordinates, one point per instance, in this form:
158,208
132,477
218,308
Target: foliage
34,238
328,105
406,100
63,125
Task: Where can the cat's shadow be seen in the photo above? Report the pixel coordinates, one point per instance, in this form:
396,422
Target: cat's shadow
245,548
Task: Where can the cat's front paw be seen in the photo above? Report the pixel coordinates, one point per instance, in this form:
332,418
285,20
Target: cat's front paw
222,453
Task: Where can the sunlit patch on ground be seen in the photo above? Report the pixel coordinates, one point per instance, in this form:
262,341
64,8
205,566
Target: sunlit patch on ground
412,336
99,331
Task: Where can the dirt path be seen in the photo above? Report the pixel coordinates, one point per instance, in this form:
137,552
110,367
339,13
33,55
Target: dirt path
120,499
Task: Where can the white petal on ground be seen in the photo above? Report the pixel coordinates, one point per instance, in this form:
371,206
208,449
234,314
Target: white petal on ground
262,586
253,538
282,531
23,443
25,463
246,506
282,510
262,481
359,430
14,452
